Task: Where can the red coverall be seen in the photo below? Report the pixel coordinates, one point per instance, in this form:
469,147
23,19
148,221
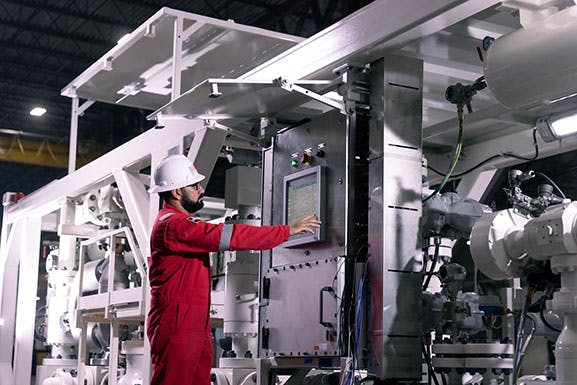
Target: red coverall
178,322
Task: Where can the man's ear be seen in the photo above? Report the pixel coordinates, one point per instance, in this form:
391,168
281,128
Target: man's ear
176,194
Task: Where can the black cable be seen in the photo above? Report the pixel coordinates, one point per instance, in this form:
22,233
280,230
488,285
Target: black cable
534,145
496,156
432,269
352,340
335,281
520,331
428,352
541,308
551,183
535,306
469,170
429,364
443,379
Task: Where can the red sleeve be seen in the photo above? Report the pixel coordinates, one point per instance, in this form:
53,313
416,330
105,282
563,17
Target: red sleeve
245,237
183,235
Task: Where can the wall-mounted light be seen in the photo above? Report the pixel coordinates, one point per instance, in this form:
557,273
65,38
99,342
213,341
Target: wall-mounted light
555,127
38,111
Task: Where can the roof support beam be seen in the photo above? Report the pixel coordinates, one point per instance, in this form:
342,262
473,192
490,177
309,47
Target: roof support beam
47,7
82,60
282,11
276,9
367,35
47,72
56,33
8,82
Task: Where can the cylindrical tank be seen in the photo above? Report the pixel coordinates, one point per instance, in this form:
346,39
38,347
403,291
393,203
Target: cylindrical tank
92,273
120,275
536,65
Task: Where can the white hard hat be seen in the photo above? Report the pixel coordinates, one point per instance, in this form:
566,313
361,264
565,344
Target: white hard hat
174,171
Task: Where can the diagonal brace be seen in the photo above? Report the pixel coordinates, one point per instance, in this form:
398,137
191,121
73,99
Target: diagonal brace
291,86
239,134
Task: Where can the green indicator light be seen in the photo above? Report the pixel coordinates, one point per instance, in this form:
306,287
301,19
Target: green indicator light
294,163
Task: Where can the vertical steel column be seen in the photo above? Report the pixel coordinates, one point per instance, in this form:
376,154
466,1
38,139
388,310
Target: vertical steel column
77,111
114,350
394,330
356,98
82,349
176,57
263,364
29,244
73,135
9,260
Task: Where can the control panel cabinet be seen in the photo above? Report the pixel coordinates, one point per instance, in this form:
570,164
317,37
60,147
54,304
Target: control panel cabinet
304,174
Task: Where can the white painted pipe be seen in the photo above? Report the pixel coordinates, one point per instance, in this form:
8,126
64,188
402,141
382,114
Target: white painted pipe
536,65
566,352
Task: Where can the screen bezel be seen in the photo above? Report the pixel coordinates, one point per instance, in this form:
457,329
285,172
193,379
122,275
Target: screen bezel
301,239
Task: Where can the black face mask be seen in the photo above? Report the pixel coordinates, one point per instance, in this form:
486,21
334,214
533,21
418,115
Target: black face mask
191,206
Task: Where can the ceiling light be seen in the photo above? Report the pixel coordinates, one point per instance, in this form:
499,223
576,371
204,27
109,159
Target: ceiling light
555,127
38,111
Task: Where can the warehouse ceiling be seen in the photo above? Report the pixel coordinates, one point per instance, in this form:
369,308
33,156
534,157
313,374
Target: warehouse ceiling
45,44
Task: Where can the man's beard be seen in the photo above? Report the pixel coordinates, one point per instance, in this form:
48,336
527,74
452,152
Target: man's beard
190,206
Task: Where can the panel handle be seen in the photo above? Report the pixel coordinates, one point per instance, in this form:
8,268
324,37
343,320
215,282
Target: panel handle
321,305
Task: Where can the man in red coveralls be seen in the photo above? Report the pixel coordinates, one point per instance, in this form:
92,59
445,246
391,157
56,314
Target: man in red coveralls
178,322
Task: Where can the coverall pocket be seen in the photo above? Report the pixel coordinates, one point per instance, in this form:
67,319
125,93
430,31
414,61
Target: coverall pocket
189,318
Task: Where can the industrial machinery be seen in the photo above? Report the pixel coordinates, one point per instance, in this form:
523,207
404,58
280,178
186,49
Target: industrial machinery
411,279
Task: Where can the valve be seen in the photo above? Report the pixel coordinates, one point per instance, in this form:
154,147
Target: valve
462,95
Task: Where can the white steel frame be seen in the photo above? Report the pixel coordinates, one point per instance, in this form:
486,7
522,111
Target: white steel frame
363,36
113,306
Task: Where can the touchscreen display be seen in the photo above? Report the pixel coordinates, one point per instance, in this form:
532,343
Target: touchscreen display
302,195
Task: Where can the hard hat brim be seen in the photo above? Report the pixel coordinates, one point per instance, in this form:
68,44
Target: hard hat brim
157,189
